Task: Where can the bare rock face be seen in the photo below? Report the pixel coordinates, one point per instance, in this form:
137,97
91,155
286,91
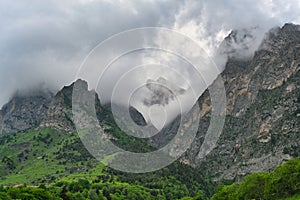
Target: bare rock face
24,112
59,114
263,110
137,117
40,109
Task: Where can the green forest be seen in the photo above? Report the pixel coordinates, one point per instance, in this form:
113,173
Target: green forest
282,183
47,164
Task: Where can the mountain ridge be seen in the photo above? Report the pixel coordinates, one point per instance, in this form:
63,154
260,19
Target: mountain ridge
273,69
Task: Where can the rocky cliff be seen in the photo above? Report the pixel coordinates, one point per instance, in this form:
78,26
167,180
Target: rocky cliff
24,111
59,114
262,125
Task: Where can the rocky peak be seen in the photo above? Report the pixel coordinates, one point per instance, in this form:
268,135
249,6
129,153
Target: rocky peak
241,44
291,29
59,115
24,111
40,108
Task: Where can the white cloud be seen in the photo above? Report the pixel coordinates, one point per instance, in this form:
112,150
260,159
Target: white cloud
46,41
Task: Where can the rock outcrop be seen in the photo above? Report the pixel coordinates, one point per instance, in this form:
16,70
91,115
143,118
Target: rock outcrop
24,111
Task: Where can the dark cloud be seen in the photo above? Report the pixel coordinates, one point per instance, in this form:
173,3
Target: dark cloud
44,42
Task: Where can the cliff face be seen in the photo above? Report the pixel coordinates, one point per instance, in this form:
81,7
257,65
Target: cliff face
59,114
41,109
262,125
24,112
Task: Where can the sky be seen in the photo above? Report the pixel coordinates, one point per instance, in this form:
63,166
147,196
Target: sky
44,43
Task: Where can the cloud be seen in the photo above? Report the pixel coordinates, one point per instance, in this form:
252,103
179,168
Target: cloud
44,42
208,22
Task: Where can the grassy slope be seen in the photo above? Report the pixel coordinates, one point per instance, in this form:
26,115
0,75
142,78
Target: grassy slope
59,160
49,157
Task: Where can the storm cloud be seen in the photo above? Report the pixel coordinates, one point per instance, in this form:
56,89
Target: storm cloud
43,43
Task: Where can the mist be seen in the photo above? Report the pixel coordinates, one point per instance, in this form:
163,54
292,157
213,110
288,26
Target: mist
43,45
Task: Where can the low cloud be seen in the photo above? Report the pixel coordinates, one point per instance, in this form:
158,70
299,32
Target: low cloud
44,42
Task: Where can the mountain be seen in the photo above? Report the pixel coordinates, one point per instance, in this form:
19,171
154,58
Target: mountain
24,111
263,110
40,109
51,153
59,115
39,143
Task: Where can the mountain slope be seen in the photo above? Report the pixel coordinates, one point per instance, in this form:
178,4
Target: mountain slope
52,153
